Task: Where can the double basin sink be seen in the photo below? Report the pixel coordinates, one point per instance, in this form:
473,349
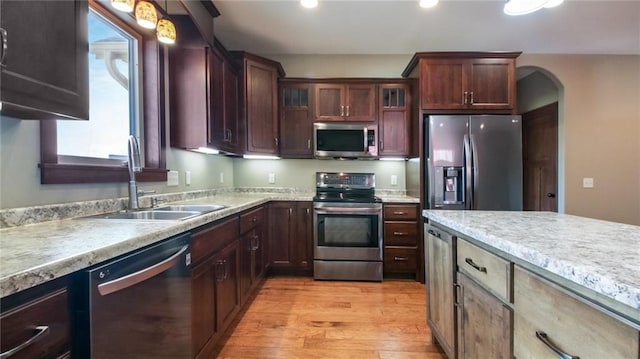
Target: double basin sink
167,213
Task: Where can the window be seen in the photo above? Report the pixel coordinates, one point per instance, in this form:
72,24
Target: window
126,88
113,97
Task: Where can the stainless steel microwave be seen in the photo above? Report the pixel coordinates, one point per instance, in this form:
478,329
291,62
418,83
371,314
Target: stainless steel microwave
345,140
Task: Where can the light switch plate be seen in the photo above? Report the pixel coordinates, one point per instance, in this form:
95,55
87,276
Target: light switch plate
272,178
187,178
587,182
394,180
173,178
221,177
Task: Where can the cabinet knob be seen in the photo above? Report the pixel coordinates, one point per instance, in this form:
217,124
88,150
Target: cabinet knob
471,100
347,111
464,97
551,195
308,143
341,110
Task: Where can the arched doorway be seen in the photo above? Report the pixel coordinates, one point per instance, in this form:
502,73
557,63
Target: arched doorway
539,104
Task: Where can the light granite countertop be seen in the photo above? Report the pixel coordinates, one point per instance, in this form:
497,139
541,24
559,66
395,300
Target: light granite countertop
35,253
596,259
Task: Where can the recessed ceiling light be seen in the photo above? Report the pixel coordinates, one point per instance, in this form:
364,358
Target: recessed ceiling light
522,7
309,4
428,3
553,3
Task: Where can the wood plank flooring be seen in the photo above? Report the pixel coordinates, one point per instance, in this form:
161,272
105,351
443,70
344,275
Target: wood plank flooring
301,318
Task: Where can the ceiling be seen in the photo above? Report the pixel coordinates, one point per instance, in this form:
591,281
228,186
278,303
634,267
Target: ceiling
402,27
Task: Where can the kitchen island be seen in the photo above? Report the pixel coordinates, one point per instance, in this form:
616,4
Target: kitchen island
532,285
597,260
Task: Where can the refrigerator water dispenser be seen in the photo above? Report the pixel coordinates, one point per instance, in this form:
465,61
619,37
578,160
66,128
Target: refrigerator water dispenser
449,185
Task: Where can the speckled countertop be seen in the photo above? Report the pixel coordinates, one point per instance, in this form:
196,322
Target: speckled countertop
35,253
596,259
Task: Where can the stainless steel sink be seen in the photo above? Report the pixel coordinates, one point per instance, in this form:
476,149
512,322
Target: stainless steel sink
148,215
202,208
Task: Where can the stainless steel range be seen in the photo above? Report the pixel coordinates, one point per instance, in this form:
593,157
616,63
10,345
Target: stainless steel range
347,219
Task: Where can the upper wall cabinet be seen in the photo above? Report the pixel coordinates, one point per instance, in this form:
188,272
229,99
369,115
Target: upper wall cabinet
345,102
296,121
393,122
259,102
465,81
44,57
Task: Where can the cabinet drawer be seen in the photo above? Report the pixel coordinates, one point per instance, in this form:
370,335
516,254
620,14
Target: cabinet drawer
250,220
211,239
488,269
400,233
48,317
400,260
573,326
401,212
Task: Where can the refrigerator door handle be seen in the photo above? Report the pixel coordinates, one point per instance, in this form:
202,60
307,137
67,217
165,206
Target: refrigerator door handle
467,172
474,165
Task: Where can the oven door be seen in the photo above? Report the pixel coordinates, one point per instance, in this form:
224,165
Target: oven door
348,231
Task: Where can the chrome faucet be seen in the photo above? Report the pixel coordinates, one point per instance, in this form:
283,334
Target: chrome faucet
134,166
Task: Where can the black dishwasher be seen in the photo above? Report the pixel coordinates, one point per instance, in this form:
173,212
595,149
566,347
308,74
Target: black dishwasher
138,305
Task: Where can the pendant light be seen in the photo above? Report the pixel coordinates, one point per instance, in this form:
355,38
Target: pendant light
166,31
123,5
146,15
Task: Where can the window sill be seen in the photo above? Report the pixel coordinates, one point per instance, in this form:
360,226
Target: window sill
51,173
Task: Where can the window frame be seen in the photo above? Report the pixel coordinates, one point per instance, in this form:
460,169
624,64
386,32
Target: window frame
152,84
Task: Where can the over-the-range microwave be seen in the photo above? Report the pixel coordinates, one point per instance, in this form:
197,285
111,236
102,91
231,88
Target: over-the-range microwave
345,140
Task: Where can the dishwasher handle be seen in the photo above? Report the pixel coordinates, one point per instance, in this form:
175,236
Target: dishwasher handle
141,275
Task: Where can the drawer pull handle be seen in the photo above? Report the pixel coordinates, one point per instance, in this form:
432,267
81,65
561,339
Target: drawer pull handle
254,220
40,331
545,339
399,212
434,233
475,266
400,233
400,259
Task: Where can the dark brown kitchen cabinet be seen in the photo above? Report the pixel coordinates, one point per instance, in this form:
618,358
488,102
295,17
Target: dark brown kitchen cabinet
204,93
215,285
43,321
44,66
296,121
345,102
393,122
252,244
466,81
401,237
259,102
226,132
291,237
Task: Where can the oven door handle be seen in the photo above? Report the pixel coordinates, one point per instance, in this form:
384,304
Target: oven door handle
342,210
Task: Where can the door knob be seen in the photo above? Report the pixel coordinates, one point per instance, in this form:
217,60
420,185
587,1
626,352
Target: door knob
551,195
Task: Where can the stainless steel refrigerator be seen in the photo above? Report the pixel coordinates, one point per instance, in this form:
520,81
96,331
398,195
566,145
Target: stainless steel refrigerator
473,162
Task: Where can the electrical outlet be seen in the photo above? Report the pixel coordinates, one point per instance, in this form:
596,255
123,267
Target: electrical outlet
272,178
587,182
173,178
187,178
394,180
221,177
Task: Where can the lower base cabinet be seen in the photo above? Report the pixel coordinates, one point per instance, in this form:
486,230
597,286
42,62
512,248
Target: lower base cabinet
39,328
550,322
291,237
484,322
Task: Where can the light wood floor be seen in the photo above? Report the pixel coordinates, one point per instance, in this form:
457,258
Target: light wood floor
303,318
